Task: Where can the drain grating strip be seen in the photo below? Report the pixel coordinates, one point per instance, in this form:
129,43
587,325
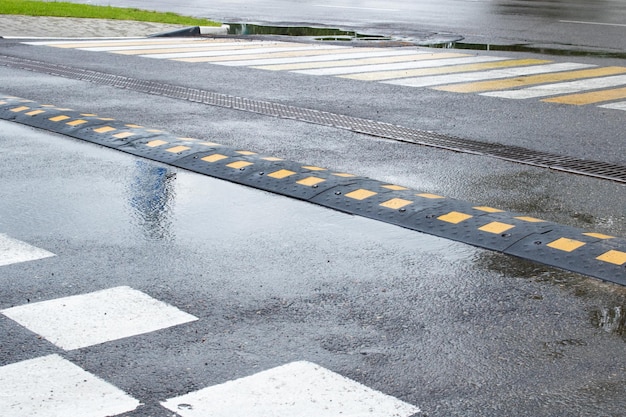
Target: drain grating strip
596,169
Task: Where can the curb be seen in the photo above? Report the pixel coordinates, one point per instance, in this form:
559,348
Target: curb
214,30
194,31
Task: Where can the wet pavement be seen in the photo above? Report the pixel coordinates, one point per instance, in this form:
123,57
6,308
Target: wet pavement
449,328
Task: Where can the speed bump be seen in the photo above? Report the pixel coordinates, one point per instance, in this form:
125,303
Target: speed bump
587,252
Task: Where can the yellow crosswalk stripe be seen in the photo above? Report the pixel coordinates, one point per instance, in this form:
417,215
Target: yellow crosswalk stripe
389,75
266,55
589,98
359,61
509,83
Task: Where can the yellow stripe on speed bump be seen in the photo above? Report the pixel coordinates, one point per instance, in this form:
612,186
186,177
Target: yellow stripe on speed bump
395,187
496,227
214,158
312,168
35,112
454,217
396,203
311,181
59,118
529,219
239,164
599,235
123,135
614,257
156,143
361,194
77,122
178,149
283,173
430,196
488,209
105,129
566,245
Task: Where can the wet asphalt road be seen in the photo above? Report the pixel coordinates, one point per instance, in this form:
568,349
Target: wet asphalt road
569,24
449,328
452,329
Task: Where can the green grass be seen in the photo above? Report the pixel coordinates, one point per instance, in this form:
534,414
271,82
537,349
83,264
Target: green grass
64,9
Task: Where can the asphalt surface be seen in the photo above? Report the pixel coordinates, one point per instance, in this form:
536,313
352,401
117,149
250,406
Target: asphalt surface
449,328
564,24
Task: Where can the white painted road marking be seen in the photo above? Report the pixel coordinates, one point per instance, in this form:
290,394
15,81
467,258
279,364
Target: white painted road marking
560,88
616,106
298,389
13,251
84,320
341,55
592,23
486,75
51,386
426,63
236,52
410,67
376,9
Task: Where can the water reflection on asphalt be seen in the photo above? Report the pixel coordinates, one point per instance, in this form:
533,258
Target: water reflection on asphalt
151,196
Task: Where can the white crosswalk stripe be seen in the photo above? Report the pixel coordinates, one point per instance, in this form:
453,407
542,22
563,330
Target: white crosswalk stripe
330,57
89,319
300,389
561,88
177,46
230,52
430,63
617,106
486,75
13,251
52,385
398,66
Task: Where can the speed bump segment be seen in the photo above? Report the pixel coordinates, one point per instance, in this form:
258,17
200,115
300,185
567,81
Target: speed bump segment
587,252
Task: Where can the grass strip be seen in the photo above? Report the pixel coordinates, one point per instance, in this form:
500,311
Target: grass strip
65,9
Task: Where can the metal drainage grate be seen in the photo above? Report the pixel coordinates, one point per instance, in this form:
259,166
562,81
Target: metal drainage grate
596,169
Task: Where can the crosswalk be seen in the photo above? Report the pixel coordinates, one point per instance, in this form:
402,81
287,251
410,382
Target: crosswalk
13,251
490,76
55,384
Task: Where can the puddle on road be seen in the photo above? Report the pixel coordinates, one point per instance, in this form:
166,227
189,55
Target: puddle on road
334,35
151,196
320,34
565,51
611,320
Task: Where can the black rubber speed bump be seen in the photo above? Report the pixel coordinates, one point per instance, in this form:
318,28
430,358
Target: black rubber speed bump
593,254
